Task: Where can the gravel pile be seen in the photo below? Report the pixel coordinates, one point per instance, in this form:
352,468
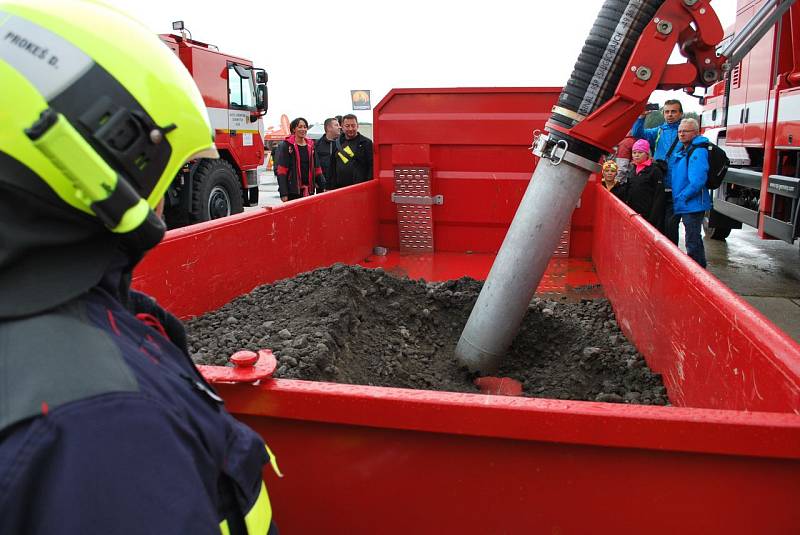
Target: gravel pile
349,324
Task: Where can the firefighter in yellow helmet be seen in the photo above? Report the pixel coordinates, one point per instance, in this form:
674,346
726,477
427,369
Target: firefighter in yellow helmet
106,426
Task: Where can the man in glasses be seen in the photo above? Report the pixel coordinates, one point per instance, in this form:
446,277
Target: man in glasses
691,199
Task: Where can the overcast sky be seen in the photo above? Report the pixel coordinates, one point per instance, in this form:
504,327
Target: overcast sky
315,52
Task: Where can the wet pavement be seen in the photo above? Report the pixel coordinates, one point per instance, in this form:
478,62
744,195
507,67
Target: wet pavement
267,189
765,272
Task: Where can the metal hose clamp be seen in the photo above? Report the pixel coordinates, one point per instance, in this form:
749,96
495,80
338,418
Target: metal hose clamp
556,157
536,134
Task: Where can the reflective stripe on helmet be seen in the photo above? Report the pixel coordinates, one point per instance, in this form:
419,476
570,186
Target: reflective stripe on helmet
48,61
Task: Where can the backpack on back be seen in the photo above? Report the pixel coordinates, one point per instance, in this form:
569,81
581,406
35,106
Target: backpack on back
718,163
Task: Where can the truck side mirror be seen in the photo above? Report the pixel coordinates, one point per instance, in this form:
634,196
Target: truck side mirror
261,99
261,77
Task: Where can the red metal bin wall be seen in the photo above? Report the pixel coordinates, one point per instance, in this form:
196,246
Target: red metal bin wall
713,349
476,141
202,267
380,460
375,460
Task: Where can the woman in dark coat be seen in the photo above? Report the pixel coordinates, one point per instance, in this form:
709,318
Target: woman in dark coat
645,185
298,173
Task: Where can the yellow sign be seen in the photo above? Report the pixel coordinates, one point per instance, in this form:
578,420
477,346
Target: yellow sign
360,98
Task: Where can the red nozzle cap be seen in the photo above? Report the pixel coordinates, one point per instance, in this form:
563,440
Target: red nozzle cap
499,386
244,359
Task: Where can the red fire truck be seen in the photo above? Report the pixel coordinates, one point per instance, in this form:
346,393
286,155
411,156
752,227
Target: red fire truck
236,96
755,115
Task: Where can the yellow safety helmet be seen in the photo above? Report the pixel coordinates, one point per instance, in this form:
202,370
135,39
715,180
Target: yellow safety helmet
99,108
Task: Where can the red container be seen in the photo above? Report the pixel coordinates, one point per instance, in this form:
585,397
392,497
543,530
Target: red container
724,459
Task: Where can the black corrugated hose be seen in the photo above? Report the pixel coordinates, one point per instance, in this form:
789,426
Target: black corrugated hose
602,62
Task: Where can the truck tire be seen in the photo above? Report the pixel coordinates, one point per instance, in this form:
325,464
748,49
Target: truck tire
175,218
715,233
718,233
216,191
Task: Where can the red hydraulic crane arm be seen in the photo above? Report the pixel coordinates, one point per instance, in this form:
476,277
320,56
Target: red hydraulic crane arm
694,27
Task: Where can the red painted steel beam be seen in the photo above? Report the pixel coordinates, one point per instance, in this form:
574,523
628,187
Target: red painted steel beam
707,431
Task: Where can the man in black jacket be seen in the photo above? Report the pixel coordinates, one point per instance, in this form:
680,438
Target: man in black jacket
352,158
326,145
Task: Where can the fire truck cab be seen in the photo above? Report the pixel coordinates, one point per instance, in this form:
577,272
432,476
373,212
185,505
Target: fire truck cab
235,94
755,115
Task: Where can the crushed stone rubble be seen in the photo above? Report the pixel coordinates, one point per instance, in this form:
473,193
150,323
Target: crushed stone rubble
353,325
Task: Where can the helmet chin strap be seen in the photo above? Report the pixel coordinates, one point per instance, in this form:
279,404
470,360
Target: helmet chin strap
99,187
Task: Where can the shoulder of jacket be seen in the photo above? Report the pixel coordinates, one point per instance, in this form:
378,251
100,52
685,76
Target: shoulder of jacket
653,168
55,358
699,144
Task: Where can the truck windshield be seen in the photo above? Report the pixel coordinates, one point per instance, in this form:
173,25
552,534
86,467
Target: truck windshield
241,88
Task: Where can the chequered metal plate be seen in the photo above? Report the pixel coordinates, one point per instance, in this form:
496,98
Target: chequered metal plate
555,278
414,220
562,251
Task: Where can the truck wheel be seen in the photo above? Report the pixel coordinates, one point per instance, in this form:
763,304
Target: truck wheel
715,233
175,218
718,233
216,192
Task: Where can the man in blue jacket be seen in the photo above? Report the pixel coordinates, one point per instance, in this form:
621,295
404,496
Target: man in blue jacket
106,425
691,199
665,140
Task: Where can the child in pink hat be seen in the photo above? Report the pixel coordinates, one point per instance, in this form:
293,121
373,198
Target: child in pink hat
641,145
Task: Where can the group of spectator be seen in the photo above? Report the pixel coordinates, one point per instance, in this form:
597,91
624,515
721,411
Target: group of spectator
658,174
655,171
341,157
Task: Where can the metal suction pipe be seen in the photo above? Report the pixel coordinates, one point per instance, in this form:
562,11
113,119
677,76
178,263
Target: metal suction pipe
555,187
534,234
